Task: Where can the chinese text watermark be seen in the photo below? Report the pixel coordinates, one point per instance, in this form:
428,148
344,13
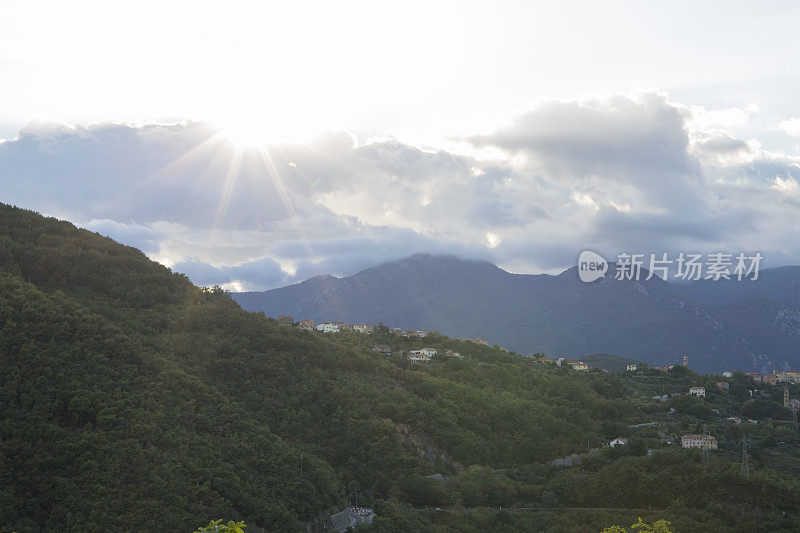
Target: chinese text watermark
684,266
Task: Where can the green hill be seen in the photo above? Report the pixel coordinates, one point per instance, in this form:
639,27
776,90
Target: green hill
133,397
134,401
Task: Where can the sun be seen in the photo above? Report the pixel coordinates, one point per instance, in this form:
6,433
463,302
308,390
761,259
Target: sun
246,132
247,127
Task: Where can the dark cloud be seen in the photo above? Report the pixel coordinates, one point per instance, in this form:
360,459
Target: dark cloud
617,139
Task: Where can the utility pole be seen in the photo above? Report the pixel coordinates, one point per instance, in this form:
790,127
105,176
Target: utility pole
745,457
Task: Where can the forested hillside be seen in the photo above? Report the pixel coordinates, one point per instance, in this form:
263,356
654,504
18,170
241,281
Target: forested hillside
134,401
132,397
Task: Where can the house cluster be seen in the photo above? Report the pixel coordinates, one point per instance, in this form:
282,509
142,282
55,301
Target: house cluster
423,355
667,368
336,327
476,340
564,361
631,368
699,441
687,441
574,363
351,517
410,332
782,376
326,327
776,376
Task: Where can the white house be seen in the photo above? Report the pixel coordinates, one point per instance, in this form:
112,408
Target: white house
327,327
727,374
421,356
619,441
631,368
574,363
362,328
699,441
698,391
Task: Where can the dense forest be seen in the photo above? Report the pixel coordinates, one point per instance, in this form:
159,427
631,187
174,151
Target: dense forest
135,401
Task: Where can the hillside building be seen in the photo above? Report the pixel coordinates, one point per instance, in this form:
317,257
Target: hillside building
699,441
418,357
574,363
328,327
422,355
307,324
700,392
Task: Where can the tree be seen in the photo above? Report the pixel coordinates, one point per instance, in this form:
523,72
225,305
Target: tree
216,526
661,526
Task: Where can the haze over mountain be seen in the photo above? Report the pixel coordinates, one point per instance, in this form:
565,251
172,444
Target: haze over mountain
744,325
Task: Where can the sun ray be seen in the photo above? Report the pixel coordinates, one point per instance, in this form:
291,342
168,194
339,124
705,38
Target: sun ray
206,146
229,183
280,187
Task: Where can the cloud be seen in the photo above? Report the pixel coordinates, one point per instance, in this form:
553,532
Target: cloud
791,126
616,138
629,173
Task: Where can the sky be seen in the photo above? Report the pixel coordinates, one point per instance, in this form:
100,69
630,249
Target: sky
254,145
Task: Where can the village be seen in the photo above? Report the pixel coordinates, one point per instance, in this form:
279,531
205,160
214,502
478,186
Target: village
704,440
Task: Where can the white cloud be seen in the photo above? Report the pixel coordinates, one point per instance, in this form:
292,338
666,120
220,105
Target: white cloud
791,126
626,173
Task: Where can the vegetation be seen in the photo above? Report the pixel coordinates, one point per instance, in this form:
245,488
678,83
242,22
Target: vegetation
662,526
133,400
216,526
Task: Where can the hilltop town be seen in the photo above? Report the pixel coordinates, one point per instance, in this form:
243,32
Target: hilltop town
720,409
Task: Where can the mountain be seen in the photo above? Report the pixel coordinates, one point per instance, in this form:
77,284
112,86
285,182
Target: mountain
780,284
649,320
135,401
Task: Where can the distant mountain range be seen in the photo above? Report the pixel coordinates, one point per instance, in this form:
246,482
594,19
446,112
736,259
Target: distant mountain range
748,325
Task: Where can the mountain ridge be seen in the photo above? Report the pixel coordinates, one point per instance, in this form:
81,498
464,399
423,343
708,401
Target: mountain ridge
651,320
